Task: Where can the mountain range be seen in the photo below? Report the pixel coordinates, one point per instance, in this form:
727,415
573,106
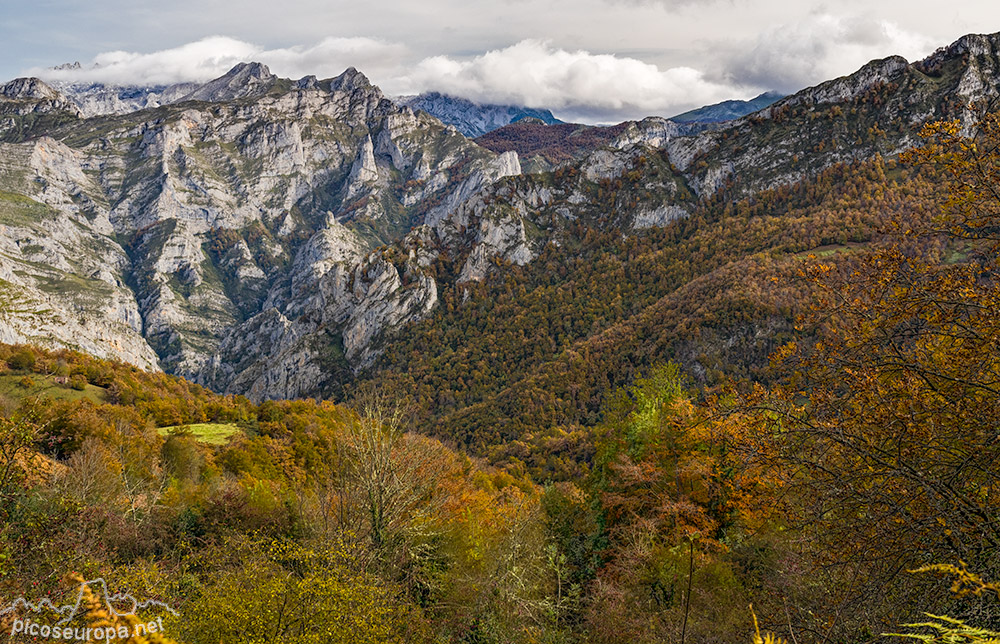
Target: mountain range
472,119
273,237
475,119
728,110
100,99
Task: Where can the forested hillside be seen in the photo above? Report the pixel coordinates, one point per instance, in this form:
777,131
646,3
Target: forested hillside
531,356
670,247
545,146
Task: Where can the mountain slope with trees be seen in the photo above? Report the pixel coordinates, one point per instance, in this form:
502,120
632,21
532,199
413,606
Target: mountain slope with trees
773,410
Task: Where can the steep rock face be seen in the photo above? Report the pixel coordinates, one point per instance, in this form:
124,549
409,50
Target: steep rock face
372,298
658,217
335,313
229,234
292,366
62,271
364,172
653,131
33,316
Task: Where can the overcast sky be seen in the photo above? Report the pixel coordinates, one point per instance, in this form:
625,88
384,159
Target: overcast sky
586,60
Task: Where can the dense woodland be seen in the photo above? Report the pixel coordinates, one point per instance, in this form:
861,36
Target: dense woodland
526,360
787,402
553,144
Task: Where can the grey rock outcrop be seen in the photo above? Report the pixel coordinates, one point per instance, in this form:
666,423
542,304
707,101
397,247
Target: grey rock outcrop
225,237
62,271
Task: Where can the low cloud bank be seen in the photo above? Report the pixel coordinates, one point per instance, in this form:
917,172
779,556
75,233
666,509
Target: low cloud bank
576,85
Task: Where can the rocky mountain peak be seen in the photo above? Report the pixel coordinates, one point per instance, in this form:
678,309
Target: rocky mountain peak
975,44
845,88
350,80
245,80
255,70
727,110
29,88
23,96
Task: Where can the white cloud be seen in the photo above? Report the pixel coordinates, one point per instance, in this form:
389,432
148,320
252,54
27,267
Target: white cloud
577,83
820,47
197,61
212,57
333,55
738,45
574,84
